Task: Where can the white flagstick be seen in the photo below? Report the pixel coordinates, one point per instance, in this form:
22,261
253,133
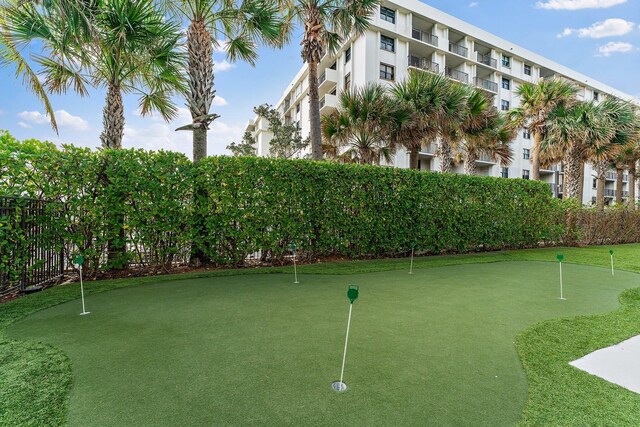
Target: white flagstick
612,273
344,356
352,295
411,267
295,269
84,311
561,296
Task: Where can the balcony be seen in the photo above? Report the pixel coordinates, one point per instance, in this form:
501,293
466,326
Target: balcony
611,176
327,80
486,60
423,64
424,37
609,193
328,103
287,105
625,178
625,193
458,49
485,158
457,75
487,85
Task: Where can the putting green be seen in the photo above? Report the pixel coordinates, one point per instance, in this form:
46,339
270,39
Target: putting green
432,348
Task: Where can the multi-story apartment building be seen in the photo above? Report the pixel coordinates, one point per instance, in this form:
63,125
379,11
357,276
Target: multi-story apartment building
408,34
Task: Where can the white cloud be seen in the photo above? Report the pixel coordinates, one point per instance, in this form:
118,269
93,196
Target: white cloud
473,4
223,65
24,125
219,101
607,28
63,118
577,4
614,47
159,135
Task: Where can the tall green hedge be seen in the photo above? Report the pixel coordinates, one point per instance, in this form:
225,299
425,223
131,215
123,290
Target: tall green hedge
260,206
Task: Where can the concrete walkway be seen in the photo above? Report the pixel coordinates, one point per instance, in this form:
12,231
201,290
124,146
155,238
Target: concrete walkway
618,364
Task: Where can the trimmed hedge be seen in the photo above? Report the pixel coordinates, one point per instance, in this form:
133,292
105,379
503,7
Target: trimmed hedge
249,205
257,204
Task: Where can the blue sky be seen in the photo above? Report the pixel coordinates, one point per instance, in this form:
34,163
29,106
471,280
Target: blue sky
600,38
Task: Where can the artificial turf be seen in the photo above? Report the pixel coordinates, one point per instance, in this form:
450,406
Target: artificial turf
432,348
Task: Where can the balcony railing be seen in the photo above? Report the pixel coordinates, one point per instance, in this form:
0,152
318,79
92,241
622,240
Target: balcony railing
625,193
424,37
431,148
322,78
611,176
423,64
322,102
287,104
486,84
484,157
625,178
487,60
458,49
457,75
609,193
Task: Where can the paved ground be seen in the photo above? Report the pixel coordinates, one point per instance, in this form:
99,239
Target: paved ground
618,364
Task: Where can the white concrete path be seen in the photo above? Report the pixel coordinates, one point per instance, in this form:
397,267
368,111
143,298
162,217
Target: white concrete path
618,364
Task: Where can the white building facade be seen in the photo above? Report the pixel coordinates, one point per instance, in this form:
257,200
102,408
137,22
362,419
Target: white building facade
408,34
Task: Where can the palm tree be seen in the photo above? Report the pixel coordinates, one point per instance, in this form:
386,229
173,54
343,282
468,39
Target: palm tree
10,49
365,128
484,131
126,47
571,133
424,94
240,26
537,101
620,117
326,25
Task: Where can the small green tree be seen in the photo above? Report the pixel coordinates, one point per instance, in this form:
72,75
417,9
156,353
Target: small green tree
246,147
286,141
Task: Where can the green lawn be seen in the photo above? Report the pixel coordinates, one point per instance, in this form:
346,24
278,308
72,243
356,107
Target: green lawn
437,347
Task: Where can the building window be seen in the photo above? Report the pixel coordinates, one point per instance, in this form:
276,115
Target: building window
387,14
527,70
334,66
387,43
595,183
526,133
297,108
596,96
506,61
506,83
386,72
347,55
334,91
504,173
525,174
525,153
504,105
347,82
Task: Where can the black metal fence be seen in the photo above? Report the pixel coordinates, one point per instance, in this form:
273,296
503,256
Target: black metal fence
31,252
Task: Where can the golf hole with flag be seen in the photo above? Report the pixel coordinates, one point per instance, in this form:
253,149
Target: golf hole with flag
352,296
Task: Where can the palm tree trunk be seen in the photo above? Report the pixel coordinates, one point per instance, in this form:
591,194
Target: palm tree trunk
535,156
200,76
619,173
314,112
445,155
414,156
572,175
631,201
113,118
601,170
581,188
470,167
